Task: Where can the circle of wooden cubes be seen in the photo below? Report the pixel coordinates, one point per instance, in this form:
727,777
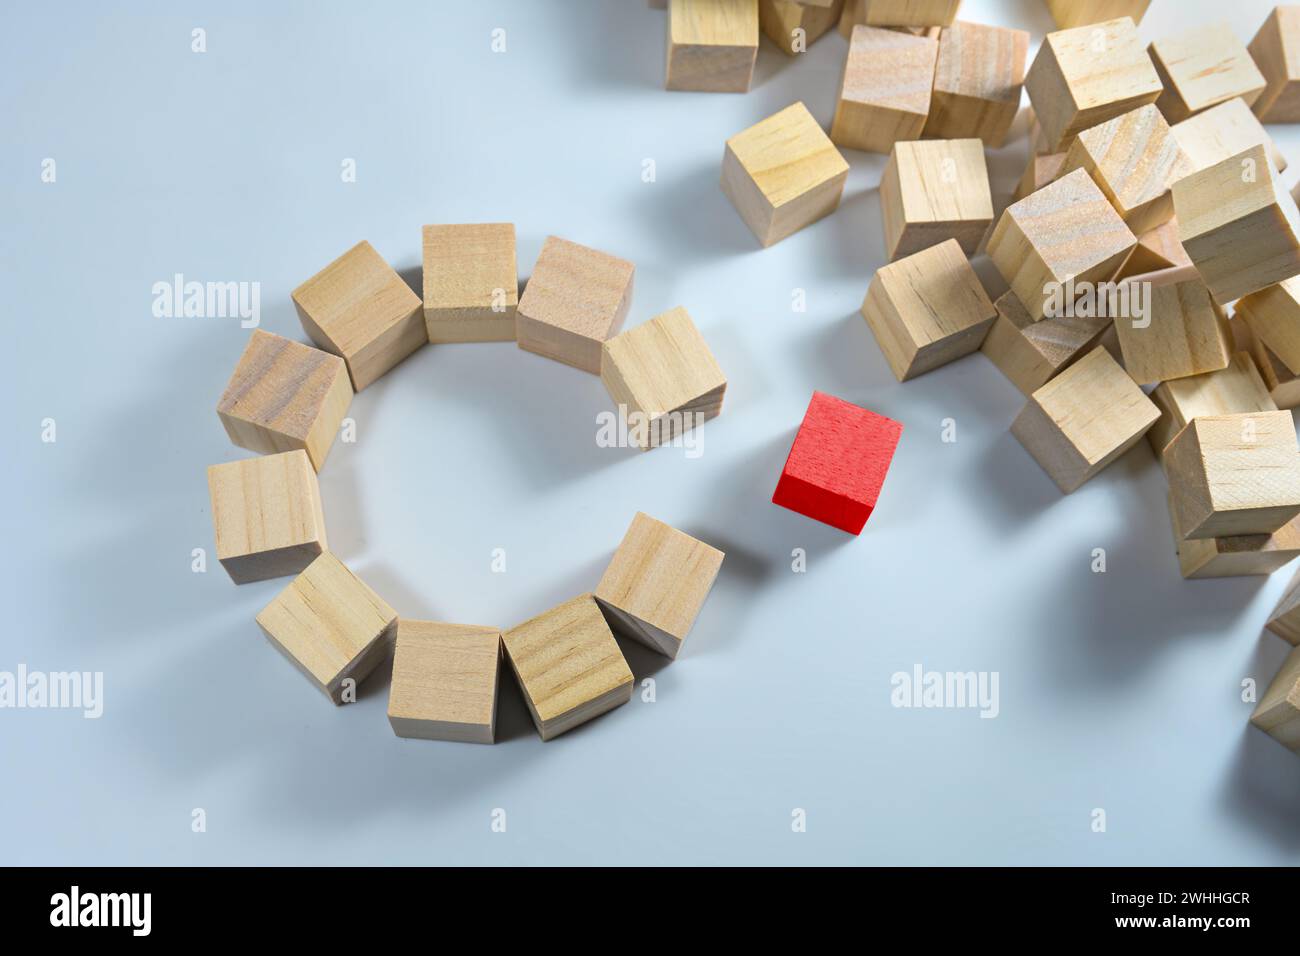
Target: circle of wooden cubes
932,190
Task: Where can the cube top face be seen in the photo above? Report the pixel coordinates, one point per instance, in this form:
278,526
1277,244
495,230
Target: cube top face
283,385
843,449
1072,225
355,299
1221,131
1186,333
660,575
264,504
908,13
470,268
565,658
662,365
577,288
1243,461
943,180
890,69
1072,13
445,673
1102,64
787,154
935,293
1096,405
981,62
1203,66
713,23
1134,157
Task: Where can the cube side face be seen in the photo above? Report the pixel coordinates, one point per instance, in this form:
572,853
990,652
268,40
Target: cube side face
889,330
471,282
1072,13
1251,253
1285,619
787,156
1278,710
979,74
1251,468
908,13
1047,444
663,365
1222,131
885,89
754,208
1273,315
1186,333
1135,159
445,680
1205,65
1007,348
1236,388
813,501
1276,52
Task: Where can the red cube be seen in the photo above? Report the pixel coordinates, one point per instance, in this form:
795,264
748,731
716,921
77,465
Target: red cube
837,463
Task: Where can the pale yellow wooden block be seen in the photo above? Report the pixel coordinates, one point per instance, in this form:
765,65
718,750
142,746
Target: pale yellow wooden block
1237,388
266,514
663,370
932,191
357,307
1202,66
283,396
782,174
576,298
1030,353
978,77
1276,52
1282,384
1285,619
1234,474
445,679
1278,711
657,583
1134,158
1156,249
908,13
331,626
1083,419
794,26
927,310
1238,224
1238,556
711,45
856,13
885,89
1078,13
1043,168
1066,229
1225,130
471,282
1183,331
1087,75
1273,315
568,665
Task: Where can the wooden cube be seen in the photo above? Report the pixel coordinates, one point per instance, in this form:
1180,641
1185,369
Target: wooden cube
908,13
927,310
575,299
267,515
1087,75
445,679
837,464
1225,130
1237,388
330,625
1238,556
657,583
283,396
1084,419
1285,619
1043,168
1066,229
663,370
471,282
1276,52
1203,66
884,90
1156,249
1238,224
1182,332
1273,315
357,307
1030,353
1134,158
568,665
1282,384
1234,474
934,190
1078,13
794,26
712,45
856,13
782,174
1278,711
978,77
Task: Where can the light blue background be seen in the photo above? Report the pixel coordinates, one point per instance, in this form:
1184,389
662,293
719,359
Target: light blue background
1118,690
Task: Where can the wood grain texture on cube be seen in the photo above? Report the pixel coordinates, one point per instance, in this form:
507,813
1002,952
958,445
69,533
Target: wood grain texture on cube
794,26
908,13
283,396
1030,353
1183,331
711,45
978,77
1156,249
932,191
1202,66
1078,13
1276,52
1221,131
445,680
1244,555
1283,385
1236,388
1273,315
1278,710
885,89
471,282
1285,619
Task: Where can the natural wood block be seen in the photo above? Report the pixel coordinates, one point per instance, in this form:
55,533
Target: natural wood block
576,298
1234,474
1134,158
1237,388
712,45
1283,385
1029,353
1066,229
1203,66
568,665
1238,224
978,77
1183,331
471,282
663,370
1285,619
932,191
782,19
1238,556
908,13
1078,13
1084,419
927,310
1278,711
283,396
357,307
1156,249
330,625
445,679
1043,168
657,583
884,90
837,464
1273,315
267,515
1225,130
1087,75
1276,52
856,12
782,174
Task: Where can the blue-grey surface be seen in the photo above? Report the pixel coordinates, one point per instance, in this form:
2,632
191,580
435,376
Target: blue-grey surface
1119,691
